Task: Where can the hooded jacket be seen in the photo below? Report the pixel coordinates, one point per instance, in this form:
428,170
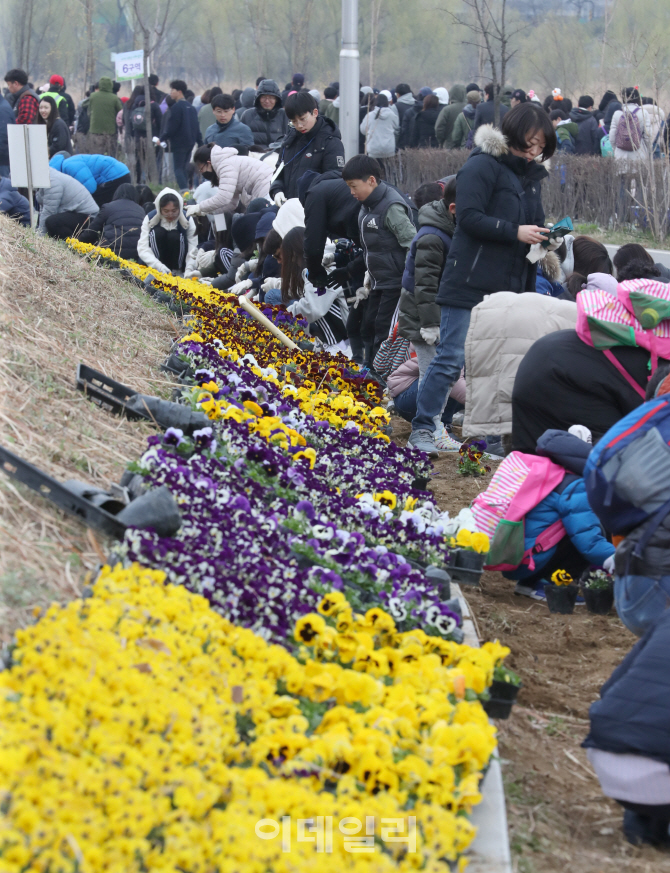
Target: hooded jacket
103,106
90,170
65,195
633,713
403,103
13,204
464,124
151,245
6,118
231,134
424,129
119,224
423,269
330,211
566,136
266,125
320,149
561,381
240,179
496,193
589,134
502,329
444,126
247,99
567,503
380,128
407,127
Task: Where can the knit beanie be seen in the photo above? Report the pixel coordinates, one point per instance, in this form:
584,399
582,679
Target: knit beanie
244,230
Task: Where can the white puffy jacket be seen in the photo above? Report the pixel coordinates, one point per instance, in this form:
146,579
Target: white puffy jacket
240,178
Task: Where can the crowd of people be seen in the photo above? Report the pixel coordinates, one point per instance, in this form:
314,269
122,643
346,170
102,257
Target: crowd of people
458,297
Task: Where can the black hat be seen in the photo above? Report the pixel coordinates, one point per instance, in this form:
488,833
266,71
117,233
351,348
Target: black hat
519,95
244,230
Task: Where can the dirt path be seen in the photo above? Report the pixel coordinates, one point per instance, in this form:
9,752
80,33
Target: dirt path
559,821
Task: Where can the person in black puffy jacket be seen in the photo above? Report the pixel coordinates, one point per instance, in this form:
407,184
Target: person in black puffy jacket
424,124
267,119
313,143
117,226
629,741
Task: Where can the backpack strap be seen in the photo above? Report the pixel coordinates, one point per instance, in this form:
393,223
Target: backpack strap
627,376
650,529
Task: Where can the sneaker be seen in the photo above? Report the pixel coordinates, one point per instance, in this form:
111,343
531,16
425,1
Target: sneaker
444,442
539,592
423,441
534,590
523,590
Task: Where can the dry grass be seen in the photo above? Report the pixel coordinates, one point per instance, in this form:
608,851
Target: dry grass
57,310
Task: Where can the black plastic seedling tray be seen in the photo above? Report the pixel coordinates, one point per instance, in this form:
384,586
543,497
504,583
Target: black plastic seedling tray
107,393
56,492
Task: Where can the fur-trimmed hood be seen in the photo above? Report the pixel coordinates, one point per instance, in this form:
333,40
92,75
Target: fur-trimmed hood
491,141
183,220
551,267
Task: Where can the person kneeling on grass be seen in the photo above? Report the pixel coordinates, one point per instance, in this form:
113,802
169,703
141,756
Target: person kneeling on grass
168,239
629,741
579,545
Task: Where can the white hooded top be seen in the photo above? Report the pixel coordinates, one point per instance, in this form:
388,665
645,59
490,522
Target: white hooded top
144,249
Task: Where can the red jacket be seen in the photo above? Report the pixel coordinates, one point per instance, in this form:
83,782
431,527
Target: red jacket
26,106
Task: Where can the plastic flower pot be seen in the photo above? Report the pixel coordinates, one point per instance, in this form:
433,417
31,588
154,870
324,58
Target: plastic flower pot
466,566
421,483
441,579
504,690
561,598
495,708
599,600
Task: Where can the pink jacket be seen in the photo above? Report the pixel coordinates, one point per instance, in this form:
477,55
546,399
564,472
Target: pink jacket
406,374
240,178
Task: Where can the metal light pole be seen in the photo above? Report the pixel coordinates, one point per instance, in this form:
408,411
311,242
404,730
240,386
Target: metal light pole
349,78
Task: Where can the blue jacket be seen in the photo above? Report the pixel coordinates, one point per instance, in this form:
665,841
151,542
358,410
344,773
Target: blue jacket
181,128
12,203
6,117
633,713
231,134
567,503
90,170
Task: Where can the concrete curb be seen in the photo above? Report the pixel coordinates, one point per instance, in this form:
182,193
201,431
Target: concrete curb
489,852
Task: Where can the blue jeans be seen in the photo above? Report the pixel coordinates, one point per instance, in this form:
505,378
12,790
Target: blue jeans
640,600
405,404
4,170
444,369
273,297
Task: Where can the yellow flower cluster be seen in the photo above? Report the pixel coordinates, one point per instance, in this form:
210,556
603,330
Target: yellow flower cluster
141,731
465,539
336,403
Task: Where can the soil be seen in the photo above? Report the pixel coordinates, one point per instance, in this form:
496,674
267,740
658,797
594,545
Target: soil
558,818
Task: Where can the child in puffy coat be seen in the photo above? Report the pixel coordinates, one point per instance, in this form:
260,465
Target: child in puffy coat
168,239
584,543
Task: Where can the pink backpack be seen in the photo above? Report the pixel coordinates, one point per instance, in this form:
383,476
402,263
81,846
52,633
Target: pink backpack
521,482
629,131
639,315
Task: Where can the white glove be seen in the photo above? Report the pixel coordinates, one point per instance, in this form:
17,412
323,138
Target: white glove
536,253
361,295
280,198
206,281
367,281
430,335
204,259
193,210
242,271
192,274
240,287
253,263
155,140
269,284
608,565
163,145
328,260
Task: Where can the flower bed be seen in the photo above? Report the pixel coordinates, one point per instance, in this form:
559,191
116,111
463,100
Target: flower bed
140,731
315,681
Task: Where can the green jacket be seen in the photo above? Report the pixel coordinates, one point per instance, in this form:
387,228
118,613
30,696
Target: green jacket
103,106
419,309
446,120
462,128
332,111
566,132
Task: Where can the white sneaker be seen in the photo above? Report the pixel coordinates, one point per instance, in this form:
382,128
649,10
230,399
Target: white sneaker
444,442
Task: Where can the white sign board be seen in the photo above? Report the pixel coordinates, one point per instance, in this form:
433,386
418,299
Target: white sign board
129,65
24,140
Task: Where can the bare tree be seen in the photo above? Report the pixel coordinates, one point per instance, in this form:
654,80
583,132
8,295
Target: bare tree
152,34
375,12
493,37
